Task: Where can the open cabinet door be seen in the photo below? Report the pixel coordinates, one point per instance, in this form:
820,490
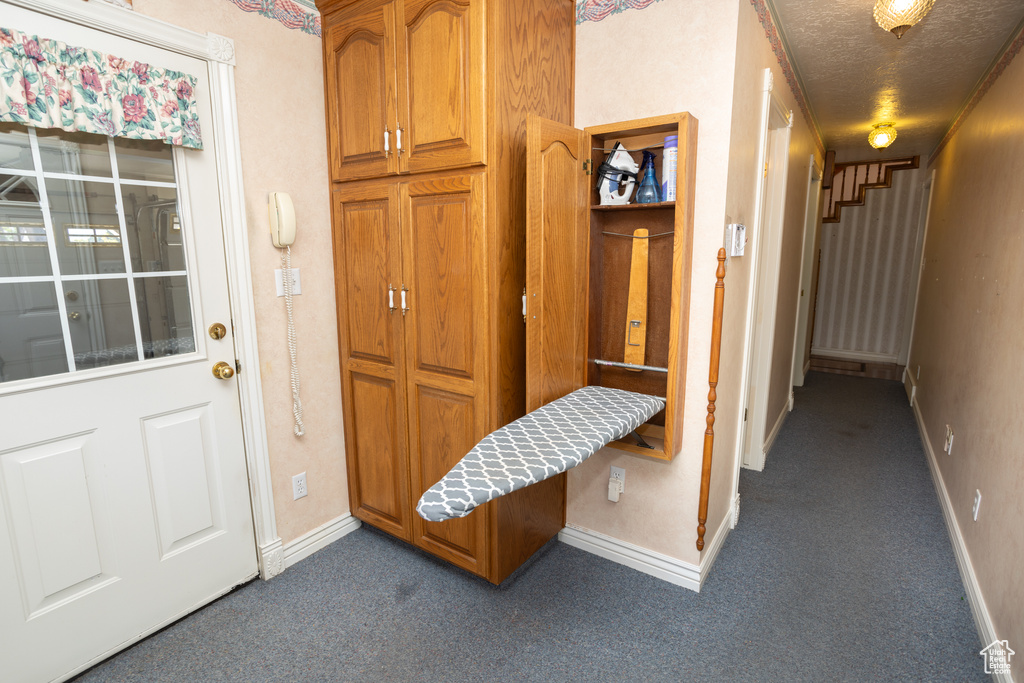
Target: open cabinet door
556,260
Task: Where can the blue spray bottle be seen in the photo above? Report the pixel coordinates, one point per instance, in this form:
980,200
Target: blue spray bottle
649,191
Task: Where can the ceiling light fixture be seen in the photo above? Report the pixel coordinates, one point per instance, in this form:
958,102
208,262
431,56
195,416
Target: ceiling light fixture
882,135
899,15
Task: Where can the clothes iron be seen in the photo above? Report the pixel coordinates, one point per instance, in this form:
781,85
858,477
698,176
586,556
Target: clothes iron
616,177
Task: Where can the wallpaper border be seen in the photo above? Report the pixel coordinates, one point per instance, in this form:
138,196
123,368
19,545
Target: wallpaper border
779,48
300,15
596,10
1003,61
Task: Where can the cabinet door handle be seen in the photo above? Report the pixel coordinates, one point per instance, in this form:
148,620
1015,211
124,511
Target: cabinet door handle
405,306
387,142
398,138
391,299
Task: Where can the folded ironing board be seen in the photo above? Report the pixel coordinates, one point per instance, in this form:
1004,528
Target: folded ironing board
539,445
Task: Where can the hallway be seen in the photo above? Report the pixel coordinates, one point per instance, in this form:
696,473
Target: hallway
840,570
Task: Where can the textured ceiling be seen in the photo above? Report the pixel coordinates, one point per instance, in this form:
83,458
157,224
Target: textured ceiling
856,75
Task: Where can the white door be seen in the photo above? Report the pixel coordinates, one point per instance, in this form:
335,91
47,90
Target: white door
124,498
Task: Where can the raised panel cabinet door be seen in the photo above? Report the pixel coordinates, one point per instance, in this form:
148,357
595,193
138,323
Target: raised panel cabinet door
557,246
367,253
441,111
444,246
359,59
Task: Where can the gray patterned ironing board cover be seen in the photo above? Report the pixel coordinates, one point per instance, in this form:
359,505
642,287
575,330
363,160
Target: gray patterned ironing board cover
539,445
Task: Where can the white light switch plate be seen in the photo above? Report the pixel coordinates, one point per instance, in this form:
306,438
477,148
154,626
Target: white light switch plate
735,239
296,281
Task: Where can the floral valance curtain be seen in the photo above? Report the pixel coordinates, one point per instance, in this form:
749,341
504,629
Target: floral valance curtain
49,84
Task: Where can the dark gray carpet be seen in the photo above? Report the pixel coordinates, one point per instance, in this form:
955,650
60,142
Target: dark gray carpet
840,570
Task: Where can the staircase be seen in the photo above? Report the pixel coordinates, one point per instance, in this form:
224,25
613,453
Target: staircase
851,181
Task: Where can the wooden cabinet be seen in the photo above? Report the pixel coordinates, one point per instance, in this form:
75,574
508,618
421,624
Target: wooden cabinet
430,251
579,265
405,86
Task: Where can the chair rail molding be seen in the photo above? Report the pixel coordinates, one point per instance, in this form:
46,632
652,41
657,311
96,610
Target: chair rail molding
218,53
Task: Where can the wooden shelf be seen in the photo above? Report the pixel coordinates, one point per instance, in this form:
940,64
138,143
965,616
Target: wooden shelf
632,207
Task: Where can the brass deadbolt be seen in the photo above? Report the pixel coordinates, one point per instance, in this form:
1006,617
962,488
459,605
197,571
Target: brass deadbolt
223,371
218,331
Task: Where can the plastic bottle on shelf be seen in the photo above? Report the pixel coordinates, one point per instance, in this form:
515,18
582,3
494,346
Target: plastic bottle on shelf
668,168
648,192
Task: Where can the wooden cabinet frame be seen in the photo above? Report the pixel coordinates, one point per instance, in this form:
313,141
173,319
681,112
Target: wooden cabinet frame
578,271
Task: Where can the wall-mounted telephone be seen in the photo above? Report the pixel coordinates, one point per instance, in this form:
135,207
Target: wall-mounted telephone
282,232
282,219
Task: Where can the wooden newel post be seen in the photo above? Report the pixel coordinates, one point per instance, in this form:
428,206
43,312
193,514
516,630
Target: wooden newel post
709,433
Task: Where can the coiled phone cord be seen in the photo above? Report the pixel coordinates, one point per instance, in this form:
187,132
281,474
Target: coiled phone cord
286,260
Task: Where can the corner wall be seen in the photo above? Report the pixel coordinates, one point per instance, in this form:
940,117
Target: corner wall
279,89
967,341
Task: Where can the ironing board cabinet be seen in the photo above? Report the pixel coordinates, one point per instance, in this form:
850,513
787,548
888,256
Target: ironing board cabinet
429,245
579,267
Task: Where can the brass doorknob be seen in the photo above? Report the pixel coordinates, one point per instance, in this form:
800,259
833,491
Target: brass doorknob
223,371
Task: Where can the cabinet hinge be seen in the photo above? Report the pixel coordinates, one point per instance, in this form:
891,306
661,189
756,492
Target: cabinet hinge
588,166
524,305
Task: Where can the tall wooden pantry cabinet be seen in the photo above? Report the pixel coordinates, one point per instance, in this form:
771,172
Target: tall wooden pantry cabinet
426,115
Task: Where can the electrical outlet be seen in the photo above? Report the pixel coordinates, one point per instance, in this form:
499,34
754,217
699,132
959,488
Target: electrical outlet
977,504
299,486
619,474
296,281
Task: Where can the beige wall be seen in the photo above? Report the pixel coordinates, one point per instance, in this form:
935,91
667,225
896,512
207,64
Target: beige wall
685,58
279,88
967,340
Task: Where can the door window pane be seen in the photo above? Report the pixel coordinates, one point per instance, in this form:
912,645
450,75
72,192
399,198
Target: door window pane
31,339
86,226
15,148
117,309
150,160
165,316
100,318
154,231
23,249
75,153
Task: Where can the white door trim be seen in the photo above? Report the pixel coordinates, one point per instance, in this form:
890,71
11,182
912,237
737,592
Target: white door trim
811,217
219,54
764,255
922,234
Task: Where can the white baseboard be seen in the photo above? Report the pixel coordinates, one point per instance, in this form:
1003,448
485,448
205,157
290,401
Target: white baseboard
776,428
711,551
863,356
660,566
910,386
307,544
979,610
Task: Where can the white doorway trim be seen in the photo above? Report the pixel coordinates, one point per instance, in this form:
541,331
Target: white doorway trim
811,222
911,307
219,54
766,245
